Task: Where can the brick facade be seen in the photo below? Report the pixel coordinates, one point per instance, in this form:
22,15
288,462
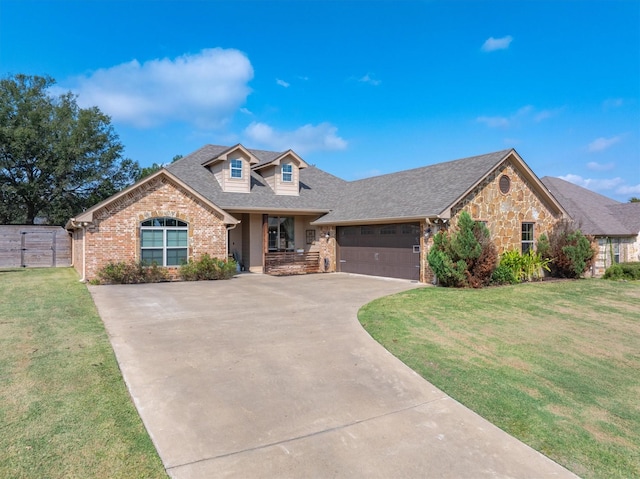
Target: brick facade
114,234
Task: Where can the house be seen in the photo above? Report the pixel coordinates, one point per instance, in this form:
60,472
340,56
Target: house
614,225
276,214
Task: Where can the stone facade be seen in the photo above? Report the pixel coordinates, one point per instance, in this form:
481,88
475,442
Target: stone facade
114,235
327,247
503,213
612,250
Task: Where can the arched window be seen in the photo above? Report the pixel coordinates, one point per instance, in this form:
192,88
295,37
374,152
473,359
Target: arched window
163,241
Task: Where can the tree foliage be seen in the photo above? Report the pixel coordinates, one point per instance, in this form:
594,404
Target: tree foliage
571,252
56,158
465,257
149,170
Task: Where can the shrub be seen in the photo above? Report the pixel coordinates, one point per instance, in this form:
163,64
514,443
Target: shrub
132,272
572,252
623,271
503,274
512,260
466,257
522,267
207,268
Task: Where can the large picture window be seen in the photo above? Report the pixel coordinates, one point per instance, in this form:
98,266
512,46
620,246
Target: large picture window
281,233
527,237
163,241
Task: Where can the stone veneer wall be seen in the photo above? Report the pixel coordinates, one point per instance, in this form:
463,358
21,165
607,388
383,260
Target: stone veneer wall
629,251
328,248
503,213
115,233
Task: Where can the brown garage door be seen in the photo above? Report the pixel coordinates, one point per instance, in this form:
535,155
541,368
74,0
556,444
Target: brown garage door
381,250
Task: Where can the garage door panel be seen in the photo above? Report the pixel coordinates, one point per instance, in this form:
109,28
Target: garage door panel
380,250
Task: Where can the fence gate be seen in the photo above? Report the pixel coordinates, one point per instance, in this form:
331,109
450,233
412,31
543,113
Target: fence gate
34,246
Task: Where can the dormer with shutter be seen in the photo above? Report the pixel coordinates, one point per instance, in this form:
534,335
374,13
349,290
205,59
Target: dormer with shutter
282,173
232,169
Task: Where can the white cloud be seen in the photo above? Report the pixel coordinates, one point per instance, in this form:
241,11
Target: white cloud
524,113
601,144
282,83
321,137
546,114
604,184
203,89
613,103
370,79
594,166
629,190
494,121
493,44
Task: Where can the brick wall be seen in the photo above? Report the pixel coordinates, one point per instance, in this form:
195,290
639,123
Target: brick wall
114,234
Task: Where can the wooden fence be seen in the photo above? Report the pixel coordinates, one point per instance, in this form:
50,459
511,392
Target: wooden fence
34,246
290,262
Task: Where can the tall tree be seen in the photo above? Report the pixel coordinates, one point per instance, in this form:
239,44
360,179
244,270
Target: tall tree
56,158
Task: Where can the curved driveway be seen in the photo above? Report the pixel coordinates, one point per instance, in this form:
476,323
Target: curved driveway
265,376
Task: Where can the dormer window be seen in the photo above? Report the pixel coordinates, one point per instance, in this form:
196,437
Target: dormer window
287,173
236,168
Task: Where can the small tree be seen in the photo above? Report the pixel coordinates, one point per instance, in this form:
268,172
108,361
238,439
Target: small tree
466,257
571,252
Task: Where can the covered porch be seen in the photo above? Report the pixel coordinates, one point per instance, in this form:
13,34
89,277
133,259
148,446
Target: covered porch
279,243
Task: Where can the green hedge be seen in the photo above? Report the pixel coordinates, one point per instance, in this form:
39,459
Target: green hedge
623,271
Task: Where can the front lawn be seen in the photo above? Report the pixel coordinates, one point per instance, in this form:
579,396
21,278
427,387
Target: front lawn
555,364
64,408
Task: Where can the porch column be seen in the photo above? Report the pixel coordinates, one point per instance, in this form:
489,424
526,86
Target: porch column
265,240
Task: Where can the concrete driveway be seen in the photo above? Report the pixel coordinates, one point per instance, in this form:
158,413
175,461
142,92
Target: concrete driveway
265,376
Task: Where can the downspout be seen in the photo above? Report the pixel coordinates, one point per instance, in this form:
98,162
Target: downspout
226,239
84,253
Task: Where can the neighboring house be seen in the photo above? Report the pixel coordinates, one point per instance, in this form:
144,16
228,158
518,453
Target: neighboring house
275,213
614,225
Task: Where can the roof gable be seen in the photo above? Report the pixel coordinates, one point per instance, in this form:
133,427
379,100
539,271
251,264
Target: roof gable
426,192
88,215
225,154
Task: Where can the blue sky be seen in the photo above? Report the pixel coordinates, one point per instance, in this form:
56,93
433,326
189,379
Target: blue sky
358,88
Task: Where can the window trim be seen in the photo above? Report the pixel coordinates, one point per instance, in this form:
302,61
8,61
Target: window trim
165,229
529,242
285,167
234,168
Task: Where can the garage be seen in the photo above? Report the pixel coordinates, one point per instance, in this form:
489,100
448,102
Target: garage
391,250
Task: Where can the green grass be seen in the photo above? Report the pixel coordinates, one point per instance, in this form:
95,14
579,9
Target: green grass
555,364
64,409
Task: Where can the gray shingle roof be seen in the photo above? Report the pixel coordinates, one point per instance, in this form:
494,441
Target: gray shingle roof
595,214
318,190
417,193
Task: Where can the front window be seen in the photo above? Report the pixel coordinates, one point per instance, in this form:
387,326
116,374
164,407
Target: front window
615,249
527,237
287,173
236,168
163,241
281,233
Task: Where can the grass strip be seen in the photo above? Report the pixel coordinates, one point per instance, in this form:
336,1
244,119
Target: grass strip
64,409
555,364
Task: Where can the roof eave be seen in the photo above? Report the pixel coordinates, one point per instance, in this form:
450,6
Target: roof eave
87,216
